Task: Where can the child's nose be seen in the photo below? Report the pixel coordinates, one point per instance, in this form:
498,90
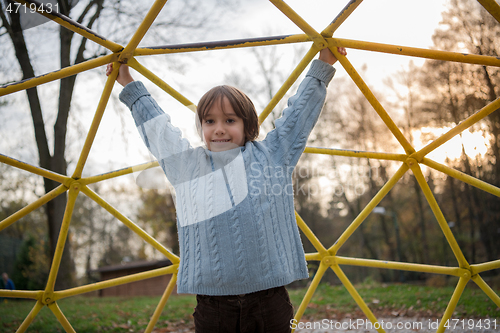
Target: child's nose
220,129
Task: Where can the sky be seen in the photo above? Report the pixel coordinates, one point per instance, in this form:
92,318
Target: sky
399,22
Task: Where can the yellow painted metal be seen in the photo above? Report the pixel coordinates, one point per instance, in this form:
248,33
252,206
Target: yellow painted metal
415,52
141,30
417,172
75,27
161,305
57,75
462,282
372,100
288,83
356,153
139,231
310,236
492,7
368,208
160,83
31,316
310,291
36,170
222,45
486,288
301,23
357,298
61,241
484,112
404,266
21,294
114,282
462,176
327,257
487,266
117,173
348,10
61,317
32,206
108,87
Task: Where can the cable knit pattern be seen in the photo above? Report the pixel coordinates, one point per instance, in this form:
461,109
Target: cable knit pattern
235,213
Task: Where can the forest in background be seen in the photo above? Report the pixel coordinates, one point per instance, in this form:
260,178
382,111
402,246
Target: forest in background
435,95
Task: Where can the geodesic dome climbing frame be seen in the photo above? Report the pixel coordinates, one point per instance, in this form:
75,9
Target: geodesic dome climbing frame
327,257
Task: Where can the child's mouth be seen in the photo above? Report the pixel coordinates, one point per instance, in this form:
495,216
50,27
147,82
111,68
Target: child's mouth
221,140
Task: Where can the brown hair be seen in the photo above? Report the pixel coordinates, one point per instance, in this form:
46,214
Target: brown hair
241,104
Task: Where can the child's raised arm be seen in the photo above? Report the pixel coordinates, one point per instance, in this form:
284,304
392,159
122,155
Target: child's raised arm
124,76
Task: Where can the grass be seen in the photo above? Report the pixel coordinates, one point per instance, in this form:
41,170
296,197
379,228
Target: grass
110,314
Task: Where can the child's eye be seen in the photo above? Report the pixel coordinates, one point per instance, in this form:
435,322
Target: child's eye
208,121
230,121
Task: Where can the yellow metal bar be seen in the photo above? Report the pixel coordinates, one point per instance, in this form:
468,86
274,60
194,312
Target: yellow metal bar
356,153
61,241
36,170
139,231
310,292
75,27
21,294
453,302
455,271
31,316
357,298
368,208
117,173
313,256
417,172
172,269
222,45
486,288
344,14
310,235
141,30
108,87
373,100
492,7
487,266
56,75
288,83
415,52
300,22
161,305
484,112
61,318
462,176
162,84
32,206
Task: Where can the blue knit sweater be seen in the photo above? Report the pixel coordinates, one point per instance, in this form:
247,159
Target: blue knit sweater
235,211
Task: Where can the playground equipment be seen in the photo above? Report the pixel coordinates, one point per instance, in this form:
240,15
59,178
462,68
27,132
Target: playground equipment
326,256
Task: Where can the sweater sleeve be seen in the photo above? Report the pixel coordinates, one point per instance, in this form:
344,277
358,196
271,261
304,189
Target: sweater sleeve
288,139
161,138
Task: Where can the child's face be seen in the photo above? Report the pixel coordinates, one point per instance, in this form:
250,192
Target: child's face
223,130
